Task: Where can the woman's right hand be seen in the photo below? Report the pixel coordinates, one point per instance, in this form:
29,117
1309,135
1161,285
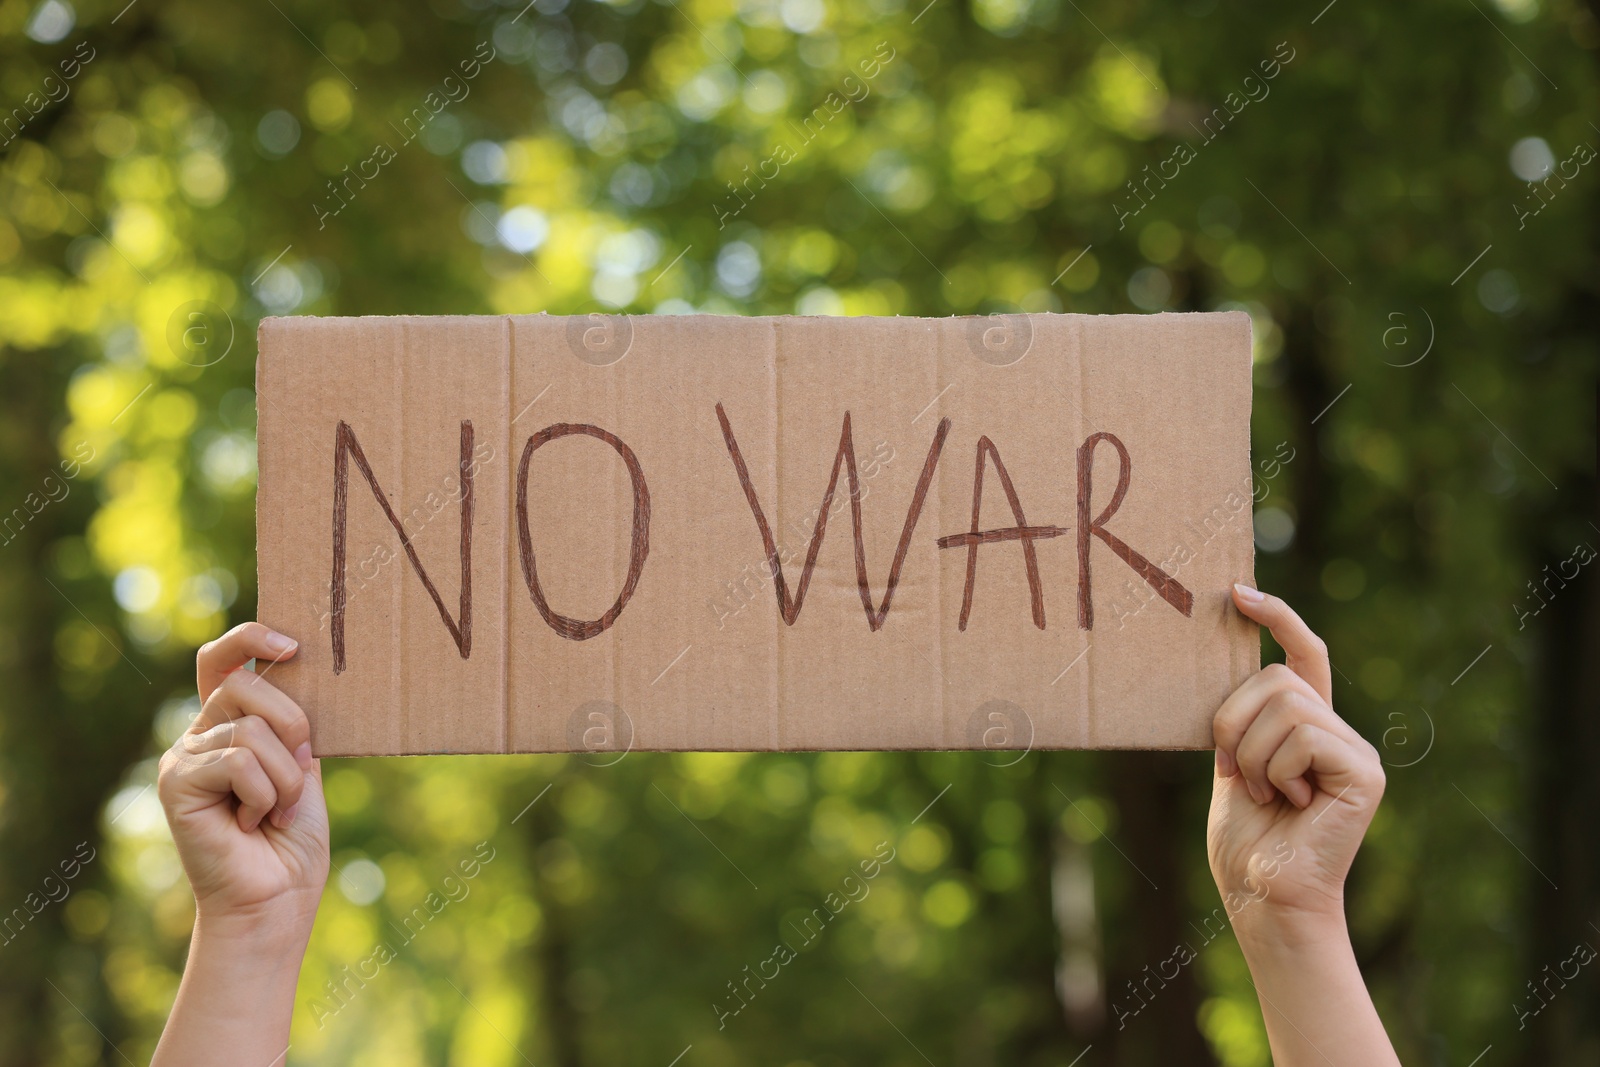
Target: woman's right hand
243,794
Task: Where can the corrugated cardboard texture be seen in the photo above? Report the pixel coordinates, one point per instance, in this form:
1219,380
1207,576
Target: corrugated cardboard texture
602,446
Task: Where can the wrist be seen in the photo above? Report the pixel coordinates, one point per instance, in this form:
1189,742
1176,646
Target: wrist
1272,926
238,984
272,930
246,965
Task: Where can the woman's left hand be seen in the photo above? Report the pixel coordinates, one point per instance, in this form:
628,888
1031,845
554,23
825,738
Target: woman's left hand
1295,785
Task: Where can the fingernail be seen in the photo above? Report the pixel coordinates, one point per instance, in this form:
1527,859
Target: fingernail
1227,766
289,813
302,755
1256,793
1248,595
279,643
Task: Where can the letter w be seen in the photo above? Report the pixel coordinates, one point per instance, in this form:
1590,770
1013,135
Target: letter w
345,447
789,607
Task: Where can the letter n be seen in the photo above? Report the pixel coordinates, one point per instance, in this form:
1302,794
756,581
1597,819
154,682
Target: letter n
345,448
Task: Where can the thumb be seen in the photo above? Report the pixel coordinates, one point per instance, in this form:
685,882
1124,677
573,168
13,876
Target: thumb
1307,654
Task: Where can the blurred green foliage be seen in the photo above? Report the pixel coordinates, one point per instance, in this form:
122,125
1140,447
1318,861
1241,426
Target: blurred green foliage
1396,194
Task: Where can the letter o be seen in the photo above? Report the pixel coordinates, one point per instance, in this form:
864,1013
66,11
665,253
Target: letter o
639,547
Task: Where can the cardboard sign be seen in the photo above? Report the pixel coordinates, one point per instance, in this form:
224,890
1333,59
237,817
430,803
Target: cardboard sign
592,534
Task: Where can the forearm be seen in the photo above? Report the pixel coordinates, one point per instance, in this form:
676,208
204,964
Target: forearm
1315,1003
236,999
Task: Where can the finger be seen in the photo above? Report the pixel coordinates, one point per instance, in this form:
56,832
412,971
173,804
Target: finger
253,732
1233,719
1298,788
1339,767
1306,652
242,694
1283,712
190,784
245,642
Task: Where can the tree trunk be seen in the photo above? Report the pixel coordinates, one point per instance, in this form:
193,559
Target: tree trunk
1149,790
60,752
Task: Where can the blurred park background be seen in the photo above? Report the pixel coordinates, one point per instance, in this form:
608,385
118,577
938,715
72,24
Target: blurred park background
1403,198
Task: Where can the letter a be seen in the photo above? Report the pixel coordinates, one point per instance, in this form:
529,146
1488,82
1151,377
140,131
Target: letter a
1020,532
